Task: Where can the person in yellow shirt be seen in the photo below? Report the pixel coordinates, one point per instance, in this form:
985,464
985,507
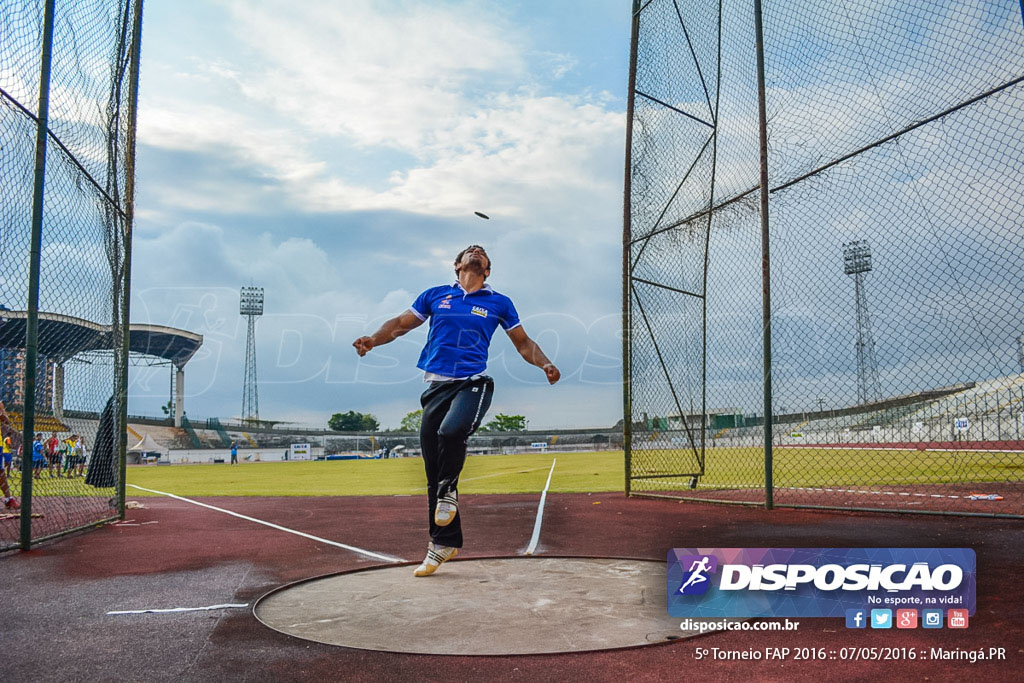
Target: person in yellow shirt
8,455
68,448
10,502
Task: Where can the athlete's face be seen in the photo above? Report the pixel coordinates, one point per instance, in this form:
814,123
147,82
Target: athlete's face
475,260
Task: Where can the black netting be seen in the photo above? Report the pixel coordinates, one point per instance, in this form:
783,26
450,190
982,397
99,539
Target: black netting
80,365
896,207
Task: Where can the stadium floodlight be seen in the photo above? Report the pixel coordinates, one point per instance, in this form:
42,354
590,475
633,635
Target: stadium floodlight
856,257
251,301
857,262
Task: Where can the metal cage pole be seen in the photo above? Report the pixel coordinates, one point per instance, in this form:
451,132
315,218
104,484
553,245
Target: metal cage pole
129,220
627,228
766,295
35,249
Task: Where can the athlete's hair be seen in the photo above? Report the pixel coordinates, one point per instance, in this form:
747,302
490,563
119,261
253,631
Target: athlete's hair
458,259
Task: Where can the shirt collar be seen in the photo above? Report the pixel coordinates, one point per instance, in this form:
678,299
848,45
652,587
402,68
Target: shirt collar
485,288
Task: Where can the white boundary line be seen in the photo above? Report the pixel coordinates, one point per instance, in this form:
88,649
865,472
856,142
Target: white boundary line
176,609
540,513
377,556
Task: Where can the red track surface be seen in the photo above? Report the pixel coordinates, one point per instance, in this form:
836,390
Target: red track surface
55,598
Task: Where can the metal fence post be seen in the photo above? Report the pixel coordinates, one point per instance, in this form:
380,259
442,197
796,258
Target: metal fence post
125,293
766,295
627,326
35,249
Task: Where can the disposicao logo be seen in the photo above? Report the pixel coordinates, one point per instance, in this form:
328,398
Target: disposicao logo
696,580
817,582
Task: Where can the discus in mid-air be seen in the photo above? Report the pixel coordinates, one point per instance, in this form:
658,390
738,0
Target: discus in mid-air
463,317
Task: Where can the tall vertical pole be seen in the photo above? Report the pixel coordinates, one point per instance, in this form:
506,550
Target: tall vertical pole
129,221
178,377
250,395
627,325
766,295
862,376
35,249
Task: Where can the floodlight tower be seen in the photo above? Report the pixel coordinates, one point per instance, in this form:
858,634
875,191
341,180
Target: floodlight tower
857,262
251,306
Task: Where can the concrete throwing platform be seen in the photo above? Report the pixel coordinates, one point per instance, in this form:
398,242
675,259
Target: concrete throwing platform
505,606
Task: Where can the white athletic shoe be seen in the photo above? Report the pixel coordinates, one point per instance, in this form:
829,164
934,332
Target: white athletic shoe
436,556
447,508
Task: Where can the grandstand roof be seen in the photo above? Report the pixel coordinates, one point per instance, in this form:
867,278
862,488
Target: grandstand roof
64,336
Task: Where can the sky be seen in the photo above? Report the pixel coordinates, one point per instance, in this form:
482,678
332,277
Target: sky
334,154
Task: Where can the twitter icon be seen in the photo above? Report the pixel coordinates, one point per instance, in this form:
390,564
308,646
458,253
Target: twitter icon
881,618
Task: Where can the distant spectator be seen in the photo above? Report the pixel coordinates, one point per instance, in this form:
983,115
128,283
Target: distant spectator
8,455
234,452
10,502
80,455
52,447
67,452
70,446
38,456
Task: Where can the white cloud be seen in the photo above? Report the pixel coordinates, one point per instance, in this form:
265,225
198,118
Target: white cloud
444,85
382,75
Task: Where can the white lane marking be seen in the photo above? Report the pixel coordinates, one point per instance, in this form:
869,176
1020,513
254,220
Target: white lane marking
540,513
377,556
176,609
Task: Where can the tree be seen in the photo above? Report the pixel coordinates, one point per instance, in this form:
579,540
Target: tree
353,422
506,423
412,421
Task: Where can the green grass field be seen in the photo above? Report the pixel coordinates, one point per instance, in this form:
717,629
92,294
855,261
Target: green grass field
574,472
801,467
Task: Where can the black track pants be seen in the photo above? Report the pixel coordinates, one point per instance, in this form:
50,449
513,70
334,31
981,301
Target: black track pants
451,412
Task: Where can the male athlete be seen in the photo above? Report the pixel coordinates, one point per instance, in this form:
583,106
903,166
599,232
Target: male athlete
463,317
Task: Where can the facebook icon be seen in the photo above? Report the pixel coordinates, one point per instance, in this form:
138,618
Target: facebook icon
856,618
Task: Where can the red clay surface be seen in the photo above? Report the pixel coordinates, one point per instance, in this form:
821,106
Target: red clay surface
54,624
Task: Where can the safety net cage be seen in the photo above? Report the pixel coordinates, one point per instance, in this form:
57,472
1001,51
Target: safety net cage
68,86
883,287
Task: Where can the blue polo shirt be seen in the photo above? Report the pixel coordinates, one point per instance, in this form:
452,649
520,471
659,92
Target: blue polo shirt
461,327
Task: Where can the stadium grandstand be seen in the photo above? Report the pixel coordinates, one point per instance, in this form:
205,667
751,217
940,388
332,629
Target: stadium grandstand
973,415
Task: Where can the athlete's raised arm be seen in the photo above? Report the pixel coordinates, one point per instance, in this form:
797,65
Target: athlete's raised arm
532,354
388,332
